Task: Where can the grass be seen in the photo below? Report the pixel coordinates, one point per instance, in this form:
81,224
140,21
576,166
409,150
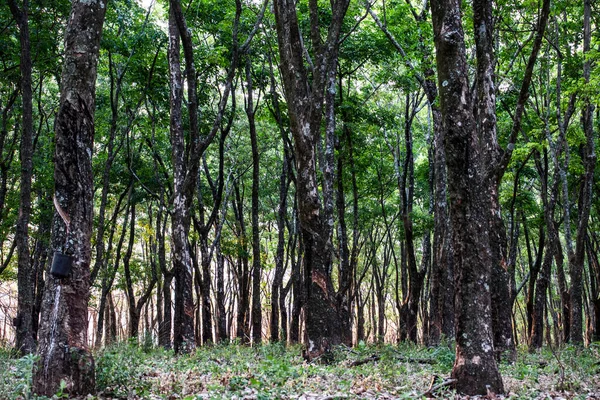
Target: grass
275,372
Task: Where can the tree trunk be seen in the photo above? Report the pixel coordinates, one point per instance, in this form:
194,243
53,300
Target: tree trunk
222,332
256,262
25,335
299,295
64,309
534,272
594,270
108,279
40,258
243,270
183,335
277,290
588,156
469,193
305,102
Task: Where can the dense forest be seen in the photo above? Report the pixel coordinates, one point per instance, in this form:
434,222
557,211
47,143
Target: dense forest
335,174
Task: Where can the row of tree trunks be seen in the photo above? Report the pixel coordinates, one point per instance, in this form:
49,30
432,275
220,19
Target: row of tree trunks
441,312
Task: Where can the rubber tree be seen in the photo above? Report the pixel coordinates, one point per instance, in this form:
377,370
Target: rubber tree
63,352
25,334
305,89
475,367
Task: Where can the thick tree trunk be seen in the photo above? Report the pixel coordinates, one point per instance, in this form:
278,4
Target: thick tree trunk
63,332
486,120
25,335
305,102
469,193
442,277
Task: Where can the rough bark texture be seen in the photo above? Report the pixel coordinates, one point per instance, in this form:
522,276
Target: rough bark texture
469,194
305,101
25,335
485,103
183,333
63,332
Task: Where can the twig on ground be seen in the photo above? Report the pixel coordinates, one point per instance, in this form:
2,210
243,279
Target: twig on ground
430,361
356,363
429,393
403,358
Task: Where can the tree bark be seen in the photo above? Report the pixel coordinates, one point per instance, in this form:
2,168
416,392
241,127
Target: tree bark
549,199
243,271
256,262
469,194
63,332
109,277
588,155
305,102
25,335
184,340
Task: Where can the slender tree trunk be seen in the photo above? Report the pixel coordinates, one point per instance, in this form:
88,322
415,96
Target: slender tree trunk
222,333
346,273
109,277
183,336
40,258
594,269
534,272
25,335
299,295
64,309
588,154
406,187
360,318
243,270
277,290
256,262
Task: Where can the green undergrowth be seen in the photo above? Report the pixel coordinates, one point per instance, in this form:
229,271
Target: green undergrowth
274,371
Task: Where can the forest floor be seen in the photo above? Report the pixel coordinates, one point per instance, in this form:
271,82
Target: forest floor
128,371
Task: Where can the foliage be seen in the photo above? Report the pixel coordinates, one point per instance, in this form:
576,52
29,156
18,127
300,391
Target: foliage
16,375
121,369
274,371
